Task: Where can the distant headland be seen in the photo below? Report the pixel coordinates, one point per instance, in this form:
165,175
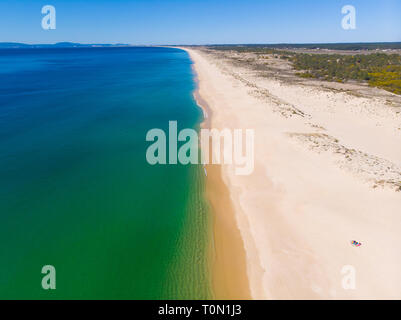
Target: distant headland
11,45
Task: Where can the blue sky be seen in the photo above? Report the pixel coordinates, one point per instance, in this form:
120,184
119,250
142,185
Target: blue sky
199,21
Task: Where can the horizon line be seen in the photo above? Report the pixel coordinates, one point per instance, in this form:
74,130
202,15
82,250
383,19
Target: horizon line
194,44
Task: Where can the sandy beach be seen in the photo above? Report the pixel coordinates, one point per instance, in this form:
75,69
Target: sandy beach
227,252
327,171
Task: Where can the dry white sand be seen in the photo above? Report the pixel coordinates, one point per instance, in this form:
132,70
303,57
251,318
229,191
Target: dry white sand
327,165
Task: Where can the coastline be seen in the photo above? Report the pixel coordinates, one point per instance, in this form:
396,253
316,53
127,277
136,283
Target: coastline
313,189
227,252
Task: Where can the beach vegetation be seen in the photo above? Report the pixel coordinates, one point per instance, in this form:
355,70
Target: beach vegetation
377,69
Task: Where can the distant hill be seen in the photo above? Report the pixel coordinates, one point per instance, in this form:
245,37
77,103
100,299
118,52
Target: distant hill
13,45
8,45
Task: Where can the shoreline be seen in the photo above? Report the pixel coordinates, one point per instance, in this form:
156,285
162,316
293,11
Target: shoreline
322,178
227,252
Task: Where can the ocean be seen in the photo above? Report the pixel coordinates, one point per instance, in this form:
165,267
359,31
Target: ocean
76,191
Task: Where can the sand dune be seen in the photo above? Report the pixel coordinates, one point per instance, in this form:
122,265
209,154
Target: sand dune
327,171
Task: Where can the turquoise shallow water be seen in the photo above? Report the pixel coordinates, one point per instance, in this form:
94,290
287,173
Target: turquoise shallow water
76,191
